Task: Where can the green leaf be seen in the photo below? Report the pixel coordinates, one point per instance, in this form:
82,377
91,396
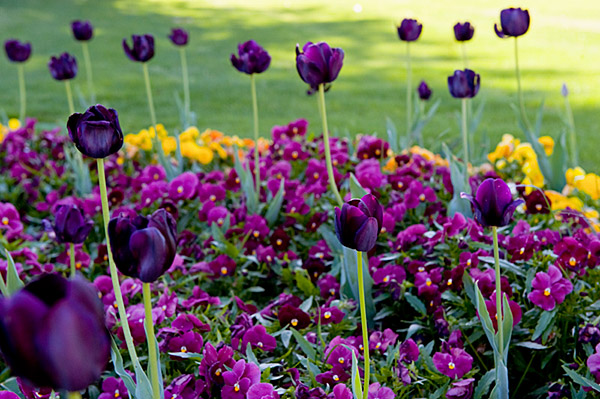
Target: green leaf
247,183
507,326
581,380
306,346
543,323
13,282
304,283
221,242
250,355
187,355
486,321
416,303
531,345
331,239
286,335
356,385
392,134
501,387
12,385
275,205
349,281
457,176
117,360
483,386
356,190
151,339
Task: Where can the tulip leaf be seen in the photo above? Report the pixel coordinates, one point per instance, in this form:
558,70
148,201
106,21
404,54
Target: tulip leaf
544,322
392,134
421,120
457,176
331,239
81,172
247,183
501,387
151,339
12,385
356,189
275,205
117,360
416,303
507,325
581,380
483,386
349,280
306,346
356,385
143,388
13,282
486,321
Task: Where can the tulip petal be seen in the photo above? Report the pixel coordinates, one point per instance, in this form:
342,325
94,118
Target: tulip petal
149,248
366,235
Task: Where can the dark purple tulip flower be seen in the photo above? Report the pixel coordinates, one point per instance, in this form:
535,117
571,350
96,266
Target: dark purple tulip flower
17,51
424,91
143,247
82,30
463,32
514,22
359,222
409,30
52,333
179,36
251,58
96,133
70,224
142,49
63,67
464,84
493,204
318,63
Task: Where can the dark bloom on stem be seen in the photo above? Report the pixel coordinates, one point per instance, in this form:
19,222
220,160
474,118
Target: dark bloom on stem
96,133
493,204
142,49
35,342
358,223
70,224
143,247
464,84
409,30
463,32
252,58
179,36
318,63
82,30
63,67
424,91
514,22
17,51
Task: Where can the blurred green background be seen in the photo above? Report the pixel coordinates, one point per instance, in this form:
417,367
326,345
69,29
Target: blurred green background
562,45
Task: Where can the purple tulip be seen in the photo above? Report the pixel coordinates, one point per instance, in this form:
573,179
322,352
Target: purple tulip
464,84
35,342
453,364
96,133
318,63
143,247
63,67
409,30
462,389
359,222
251,58
549,289
179,36
142,49
17,51
463,31
82,30
262,390
514,22
493,204
70,224
424,91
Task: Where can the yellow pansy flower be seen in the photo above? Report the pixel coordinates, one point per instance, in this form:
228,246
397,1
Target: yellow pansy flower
548,143
504,149
169,145
14,124
572,175
560,201
589,184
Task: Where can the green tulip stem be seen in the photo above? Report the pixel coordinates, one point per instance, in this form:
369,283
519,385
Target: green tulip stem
463,47
70,97
408,91
363,321
323,112
256,152
72,257
151,338
22,94
149,95
52,395
113,268
572,134
88,71
186,86
465,137
521,103
72,395
499,311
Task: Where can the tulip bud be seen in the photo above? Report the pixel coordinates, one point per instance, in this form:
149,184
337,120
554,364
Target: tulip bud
359,222
409,30
514,22
142,49
318,63
424,91
179,36
463,32
70,224
96,133
63,67
251,58
493,204
564,90
17,51
82,30
464,84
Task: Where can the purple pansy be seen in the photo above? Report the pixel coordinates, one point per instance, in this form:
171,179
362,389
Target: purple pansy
549,289
239,379
454,364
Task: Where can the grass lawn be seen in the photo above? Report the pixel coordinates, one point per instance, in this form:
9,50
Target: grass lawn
563,45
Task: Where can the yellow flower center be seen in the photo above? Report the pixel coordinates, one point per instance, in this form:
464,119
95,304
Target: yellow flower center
341,360
259,344
421,269
378,152
422,197
315,175
538,207
451,366
572,261
156,176
237,180
400,184
386,279
428,282
223,270
336,377
256,233
522,251
469,262
5,221
335,162
218,372
236,387
213,198
365,156
327,314
378,345
294,322
105,257
117,393
279,241
449,281
78,265
220,221
332,291
183,349
547,292
295,130
179,189
295,154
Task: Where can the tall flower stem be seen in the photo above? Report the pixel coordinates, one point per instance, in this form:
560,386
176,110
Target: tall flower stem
149,95
88,71
72,258
521,103
151,338
113,268
572,135
22,94
408,91
363,321
463,47
499,311
186,86
465,137
256,152
323,112
73,395
70,97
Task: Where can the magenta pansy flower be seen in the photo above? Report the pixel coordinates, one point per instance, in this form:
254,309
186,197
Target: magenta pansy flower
549,289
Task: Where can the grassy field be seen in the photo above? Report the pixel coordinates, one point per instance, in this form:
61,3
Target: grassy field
563,45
